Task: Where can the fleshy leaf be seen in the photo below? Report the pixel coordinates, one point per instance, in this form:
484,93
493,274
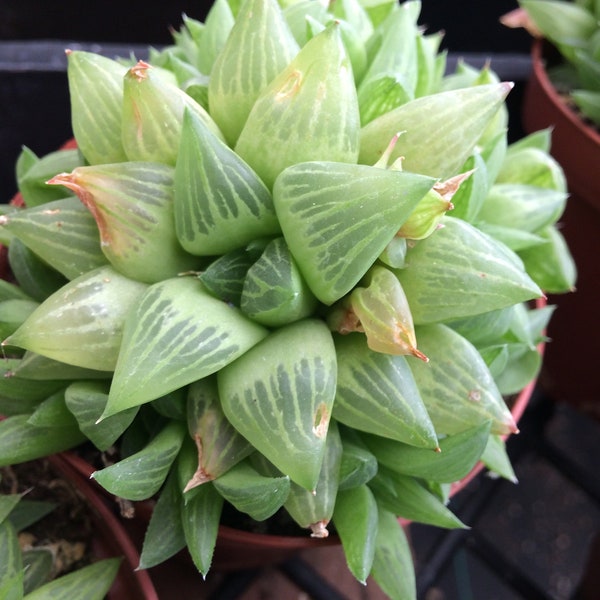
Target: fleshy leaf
62,232
409,498
87,400
358,465
356,521
271,389
96,81
393,567
259,46
430,144
456,386
252,493
132,203
274,291
176,334
152,117
459,271
384,315
219,446
313,509
338,218
141,475
456,456
81,324
377,393
220,203
308,112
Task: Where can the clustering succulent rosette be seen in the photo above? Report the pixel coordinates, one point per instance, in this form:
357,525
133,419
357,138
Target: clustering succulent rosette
287,268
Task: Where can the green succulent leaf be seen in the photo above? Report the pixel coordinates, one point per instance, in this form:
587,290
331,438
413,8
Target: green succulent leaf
11,566
430,143
224,277
444,284
20,441
33,186
96,81
87,400
526,207
176,334
200,517
338,218
496,459
407,497
164,535
393,567
35,277
270,389
81,324
152,116
550,263
259,46
377,393
356,521
28,512
37,568
53,412
35,367
13,313
456,386
141,475
532,165
218,445
92,581
252,493
358,465
132,203
274,291
308,112
217,27
7,504
62,233
313,509
220,203
456,456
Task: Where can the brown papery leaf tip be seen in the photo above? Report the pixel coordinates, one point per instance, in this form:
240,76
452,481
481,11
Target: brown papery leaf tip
508,86
319,529
437,450
68,51
419,354
140,70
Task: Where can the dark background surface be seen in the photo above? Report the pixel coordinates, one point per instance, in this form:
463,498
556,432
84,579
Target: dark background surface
34,103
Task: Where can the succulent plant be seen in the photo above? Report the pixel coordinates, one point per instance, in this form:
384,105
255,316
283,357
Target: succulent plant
288,268
573,27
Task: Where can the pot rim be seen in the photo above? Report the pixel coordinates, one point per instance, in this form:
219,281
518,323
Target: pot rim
538,53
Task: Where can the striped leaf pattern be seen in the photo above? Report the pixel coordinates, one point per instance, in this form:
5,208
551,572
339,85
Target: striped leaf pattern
443,283
308,112
377,393
141,475
274,291
337,218
176,334
218,445
456,385
270,389
132,204
62,232
152,116
220,203
82,323
313,509
96,92
259,46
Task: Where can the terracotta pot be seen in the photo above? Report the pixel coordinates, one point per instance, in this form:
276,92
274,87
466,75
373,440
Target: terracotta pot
111,539
237,549
571,361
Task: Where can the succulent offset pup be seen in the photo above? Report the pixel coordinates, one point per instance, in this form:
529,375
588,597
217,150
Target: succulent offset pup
287,268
